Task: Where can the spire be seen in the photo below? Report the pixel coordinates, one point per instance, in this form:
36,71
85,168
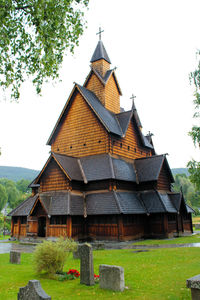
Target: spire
100,53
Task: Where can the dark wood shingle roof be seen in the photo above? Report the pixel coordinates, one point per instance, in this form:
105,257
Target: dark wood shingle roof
100,53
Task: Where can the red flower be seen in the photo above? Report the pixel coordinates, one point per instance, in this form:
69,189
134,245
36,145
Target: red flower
74,273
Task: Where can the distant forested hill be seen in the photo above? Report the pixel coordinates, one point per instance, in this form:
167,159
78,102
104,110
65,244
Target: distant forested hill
17,173
180,171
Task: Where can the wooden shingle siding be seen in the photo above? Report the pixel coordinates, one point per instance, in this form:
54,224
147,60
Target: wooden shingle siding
53,178
129,146
81,133
163,180
112,97
96,86
101,66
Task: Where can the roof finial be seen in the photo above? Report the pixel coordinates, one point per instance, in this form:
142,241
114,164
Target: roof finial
100,31
133,101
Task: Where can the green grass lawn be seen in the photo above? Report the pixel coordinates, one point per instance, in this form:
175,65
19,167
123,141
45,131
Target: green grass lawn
158,274
4,237
179,240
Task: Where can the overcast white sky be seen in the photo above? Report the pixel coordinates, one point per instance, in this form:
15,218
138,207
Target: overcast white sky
153,45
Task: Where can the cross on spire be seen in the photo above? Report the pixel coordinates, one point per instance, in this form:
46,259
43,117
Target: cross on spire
133,99
100,31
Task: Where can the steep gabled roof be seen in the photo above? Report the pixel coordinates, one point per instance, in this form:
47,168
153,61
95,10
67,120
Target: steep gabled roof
107,118
168,204
100,53
24,208
103,166
124,120
149,168
177,199
152,202
102,203
114,123
130,203
51,157
70,165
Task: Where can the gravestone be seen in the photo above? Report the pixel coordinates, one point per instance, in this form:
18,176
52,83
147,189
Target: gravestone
111,278
194,284
32,291
197,226
15,257
86,264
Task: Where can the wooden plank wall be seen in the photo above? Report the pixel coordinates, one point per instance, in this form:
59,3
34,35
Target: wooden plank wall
53,178
164,180
81,133
103,230
22,230
130,145
57,230
32,225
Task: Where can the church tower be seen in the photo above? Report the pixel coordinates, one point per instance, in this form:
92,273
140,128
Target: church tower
102,80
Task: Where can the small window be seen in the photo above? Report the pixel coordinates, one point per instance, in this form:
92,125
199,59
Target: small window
135,150
120,145
141,152
128,148
99,141
70,147
58,149
113,142
84,144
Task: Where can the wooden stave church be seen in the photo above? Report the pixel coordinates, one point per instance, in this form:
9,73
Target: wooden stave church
103,179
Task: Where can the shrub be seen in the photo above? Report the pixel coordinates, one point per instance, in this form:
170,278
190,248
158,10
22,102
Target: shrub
51,256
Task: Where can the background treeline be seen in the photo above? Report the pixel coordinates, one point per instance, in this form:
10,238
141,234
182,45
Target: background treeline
191,195
11,195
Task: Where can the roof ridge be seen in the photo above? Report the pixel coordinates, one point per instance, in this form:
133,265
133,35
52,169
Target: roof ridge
117,201
111,114
61,154
163,204
149,157
68,203
139,194
82,171
124,112
112,167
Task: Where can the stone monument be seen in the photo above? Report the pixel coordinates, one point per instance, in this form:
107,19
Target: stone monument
111,278
15,257
86,264
32,291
